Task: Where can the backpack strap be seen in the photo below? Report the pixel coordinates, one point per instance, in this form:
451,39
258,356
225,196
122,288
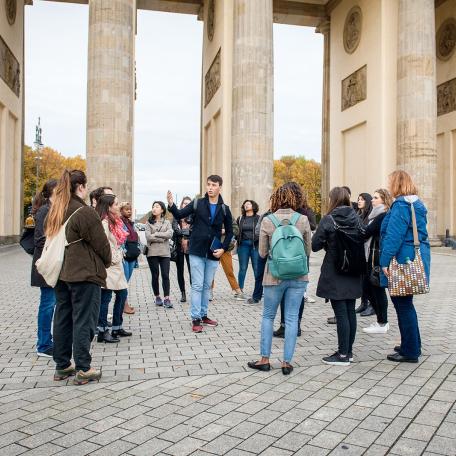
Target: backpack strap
294,218
274,220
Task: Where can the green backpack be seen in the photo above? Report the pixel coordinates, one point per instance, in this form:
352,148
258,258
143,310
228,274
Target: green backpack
287,256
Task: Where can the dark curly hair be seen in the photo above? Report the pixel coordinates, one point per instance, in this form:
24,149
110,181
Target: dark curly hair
254,207
288,196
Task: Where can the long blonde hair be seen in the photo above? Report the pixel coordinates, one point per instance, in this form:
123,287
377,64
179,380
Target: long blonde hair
62,194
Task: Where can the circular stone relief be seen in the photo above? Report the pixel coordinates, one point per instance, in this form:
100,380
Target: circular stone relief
352,29
11,10
446,39
211,20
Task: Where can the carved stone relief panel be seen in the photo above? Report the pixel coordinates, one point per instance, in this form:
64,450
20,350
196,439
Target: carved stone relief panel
10,70
211,20
212,80
354,88
446,39
446,97
11,11
352,29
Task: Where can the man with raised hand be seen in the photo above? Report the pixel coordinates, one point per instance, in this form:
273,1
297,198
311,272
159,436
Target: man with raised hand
210,216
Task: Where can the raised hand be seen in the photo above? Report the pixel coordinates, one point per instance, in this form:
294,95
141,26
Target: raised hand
169,197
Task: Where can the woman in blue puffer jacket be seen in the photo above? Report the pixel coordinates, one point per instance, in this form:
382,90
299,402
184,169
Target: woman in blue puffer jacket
396,240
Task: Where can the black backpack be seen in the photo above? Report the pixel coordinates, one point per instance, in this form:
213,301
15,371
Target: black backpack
350,257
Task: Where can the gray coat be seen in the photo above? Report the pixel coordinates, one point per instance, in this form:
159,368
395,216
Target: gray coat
331,284
158,235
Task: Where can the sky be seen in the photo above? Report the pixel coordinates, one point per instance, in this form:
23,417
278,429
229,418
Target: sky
167,109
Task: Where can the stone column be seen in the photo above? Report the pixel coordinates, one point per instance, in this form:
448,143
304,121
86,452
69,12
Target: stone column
417,100
111,94
325,29
252,109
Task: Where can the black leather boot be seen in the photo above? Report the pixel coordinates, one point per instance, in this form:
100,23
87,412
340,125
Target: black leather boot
280,332
107,337
183,297
363,306
368,311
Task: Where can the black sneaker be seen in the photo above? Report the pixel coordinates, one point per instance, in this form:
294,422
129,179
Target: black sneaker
280,332
337,360
45,353
350,356
158,301
252,301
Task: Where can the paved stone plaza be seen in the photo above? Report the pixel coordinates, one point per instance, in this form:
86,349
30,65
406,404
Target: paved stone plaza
168,391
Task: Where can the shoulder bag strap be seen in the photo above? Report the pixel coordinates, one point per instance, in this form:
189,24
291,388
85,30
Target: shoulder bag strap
416,241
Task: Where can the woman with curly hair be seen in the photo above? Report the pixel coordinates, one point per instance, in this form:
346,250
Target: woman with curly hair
285,202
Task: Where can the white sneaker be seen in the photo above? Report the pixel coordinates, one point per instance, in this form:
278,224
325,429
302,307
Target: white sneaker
240,296
376,328
309,299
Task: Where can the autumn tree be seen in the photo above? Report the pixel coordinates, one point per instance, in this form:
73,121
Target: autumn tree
45,165
305,172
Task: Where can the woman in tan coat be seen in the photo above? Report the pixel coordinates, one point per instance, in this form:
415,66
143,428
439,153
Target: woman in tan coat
158,233
109,210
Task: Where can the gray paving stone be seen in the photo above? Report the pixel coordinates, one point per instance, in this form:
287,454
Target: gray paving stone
406,447
327,439
442,446
221,444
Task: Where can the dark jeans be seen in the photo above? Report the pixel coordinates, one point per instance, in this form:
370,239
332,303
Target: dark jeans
117,311
282,312
180,266
45,314
75,317
344,310
408,326
246,251
157,264
258,290
378,299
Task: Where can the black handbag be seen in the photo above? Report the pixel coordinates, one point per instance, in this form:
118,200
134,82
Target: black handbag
374,275
27,241
173,245
132,251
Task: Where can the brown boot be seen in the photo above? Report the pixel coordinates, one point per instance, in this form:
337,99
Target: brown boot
128,310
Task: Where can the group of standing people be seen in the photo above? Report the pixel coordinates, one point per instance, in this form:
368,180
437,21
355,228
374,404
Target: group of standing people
103,247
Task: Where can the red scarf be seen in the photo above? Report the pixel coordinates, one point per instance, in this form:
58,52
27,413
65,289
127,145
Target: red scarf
118,230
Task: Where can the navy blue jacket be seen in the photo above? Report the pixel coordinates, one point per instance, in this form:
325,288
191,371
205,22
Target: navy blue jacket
396,235
204,229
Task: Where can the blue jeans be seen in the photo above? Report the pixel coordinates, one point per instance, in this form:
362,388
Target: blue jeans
258,290
45,314
203,272
128,269
246,251
407,320
117,311
293,292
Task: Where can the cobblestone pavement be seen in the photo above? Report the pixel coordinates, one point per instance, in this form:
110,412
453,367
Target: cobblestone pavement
168,391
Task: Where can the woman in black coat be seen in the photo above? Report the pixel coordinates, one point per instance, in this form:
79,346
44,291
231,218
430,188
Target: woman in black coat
41,207
376,294
341,290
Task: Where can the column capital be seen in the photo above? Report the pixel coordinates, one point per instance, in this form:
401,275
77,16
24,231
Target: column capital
324,27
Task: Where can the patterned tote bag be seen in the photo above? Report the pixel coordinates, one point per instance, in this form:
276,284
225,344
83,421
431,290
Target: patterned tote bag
408,278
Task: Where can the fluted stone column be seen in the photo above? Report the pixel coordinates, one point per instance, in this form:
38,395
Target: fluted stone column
325,29
110,95
416,100
252,110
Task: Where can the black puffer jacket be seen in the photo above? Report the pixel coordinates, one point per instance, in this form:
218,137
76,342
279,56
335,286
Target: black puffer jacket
331,284
40,239
203,228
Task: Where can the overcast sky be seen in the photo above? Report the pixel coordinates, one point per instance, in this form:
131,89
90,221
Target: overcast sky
167,111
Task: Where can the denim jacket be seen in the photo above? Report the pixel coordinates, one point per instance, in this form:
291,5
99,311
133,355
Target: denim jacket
396,234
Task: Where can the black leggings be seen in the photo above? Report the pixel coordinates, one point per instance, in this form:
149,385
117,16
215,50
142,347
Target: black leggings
379,301
154,264
180,266
344,310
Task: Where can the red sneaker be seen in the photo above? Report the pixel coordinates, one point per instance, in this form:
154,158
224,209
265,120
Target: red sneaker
208,322
196,326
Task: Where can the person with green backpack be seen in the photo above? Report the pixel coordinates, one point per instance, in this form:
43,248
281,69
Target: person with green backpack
285,240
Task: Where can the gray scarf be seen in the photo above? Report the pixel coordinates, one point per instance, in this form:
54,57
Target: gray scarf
376,210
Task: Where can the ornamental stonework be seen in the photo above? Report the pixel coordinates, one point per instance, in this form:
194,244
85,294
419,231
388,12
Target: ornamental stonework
211,20
11,11
446,39
212,80
446,97
10,70
352,29
354,88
